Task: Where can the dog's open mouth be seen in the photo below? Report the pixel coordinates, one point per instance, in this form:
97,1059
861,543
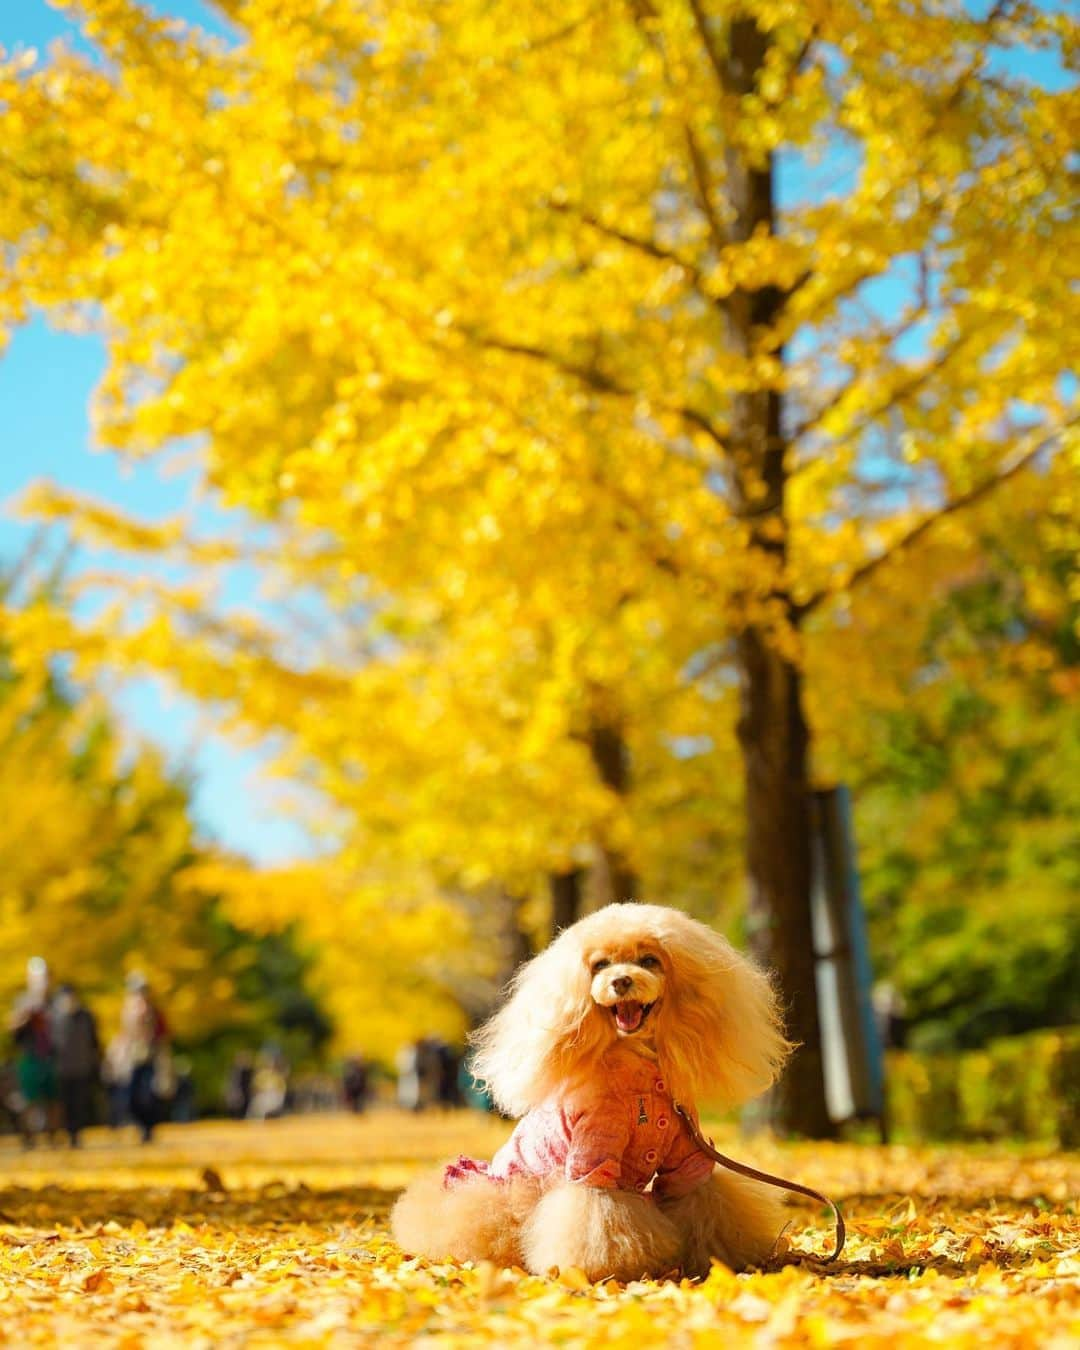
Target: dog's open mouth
630,1015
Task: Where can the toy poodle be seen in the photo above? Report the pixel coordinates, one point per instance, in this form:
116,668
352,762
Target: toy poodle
630,1011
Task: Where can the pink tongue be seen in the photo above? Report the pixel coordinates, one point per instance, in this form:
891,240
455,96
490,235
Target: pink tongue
628,1015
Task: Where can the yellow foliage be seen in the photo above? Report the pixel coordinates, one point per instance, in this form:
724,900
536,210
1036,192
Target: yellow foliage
102,873
391,962
460,307
93,843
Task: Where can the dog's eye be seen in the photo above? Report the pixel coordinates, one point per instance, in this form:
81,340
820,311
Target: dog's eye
598,966
649,962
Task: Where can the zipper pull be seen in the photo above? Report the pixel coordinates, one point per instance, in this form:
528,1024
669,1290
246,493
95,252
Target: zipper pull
642,1118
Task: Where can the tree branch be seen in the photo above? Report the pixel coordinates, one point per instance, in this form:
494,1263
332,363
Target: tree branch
975,494
886,339
639,243
721,69
557,35
600,381
698,160
701,23
704,185
917,380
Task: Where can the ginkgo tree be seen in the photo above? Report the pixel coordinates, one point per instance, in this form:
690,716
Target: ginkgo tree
738,306
471,759
105,870
97,844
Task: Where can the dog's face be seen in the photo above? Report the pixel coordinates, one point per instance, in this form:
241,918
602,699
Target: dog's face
627,984
637,974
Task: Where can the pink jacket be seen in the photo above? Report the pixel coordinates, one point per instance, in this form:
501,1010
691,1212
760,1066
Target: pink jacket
618,1130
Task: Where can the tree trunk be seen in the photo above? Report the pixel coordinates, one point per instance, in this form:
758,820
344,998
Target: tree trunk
573,893
566,899
514,942
480,994
774,741
773,734
617,879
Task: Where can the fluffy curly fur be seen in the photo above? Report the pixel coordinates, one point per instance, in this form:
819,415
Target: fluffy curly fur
712,1027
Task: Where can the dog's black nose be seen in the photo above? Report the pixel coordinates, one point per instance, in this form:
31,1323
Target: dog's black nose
622,984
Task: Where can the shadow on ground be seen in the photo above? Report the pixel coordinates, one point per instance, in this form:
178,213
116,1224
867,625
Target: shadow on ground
270,1206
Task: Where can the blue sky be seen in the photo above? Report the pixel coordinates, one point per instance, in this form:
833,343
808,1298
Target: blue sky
46,380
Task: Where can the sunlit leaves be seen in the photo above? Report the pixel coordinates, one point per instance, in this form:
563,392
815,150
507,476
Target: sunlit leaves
447,300
943,1246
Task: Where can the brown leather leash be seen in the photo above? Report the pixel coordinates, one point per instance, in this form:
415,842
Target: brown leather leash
744,1170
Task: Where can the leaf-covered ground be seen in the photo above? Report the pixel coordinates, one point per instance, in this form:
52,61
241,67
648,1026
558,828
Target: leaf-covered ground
269,1234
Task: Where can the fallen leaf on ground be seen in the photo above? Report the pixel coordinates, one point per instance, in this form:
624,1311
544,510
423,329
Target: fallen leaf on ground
129,1246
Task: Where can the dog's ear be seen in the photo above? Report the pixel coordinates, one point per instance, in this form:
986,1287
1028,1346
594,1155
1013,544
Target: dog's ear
721,1028
541,1033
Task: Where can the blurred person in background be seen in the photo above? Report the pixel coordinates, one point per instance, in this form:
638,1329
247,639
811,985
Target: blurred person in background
146,1048
354,1083
184,1109
447,1065
271,1085
434,1059
78,1060
116,1076
427,1074
35,1063
888,1008
12,1104
240,1085
408,1077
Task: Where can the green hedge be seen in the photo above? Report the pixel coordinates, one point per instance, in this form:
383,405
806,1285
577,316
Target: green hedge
1022,1087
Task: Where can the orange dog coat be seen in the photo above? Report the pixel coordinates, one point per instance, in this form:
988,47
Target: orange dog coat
618,1129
